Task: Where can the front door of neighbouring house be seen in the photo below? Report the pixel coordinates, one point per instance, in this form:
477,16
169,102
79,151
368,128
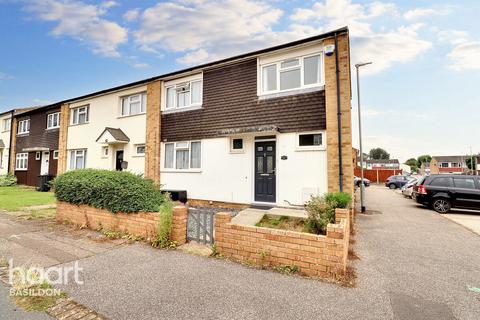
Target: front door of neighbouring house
265,180
119,160
45,162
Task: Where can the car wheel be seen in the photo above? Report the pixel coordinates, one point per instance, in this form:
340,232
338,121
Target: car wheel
441,205
392,186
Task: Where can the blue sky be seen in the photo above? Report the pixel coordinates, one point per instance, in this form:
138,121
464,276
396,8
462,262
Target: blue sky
419,96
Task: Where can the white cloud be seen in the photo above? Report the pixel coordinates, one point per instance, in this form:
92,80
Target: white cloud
131,15
465,56
195,57
206,29
426,12
83,22
453,36
384,48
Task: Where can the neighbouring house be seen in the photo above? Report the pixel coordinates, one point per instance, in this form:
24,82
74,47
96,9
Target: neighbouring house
380,164
5,139
105,130
34,146
258,128
448,164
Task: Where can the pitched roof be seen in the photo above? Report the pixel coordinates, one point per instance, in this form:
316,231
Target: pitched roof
449,158
382,161
116,133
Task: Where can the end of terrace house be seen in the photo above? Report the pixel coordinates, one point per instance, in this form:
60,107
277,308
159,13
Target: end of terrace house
271,126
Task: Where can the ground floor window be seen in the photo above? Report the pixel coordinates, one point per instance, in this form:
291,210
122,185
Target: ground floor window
140,149
310,140
78,159
21,162
183,155
55,154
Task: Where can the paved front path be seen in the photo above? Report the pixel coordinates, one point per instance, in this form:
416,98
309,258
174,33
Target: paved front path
414,264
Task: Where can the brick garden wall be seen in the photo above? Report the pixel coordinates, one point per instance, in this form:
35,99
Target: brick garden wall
314,255
140,224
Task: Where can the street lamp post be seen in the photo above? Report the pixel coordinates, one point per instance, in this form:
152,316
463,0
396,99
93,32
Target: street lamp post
362,185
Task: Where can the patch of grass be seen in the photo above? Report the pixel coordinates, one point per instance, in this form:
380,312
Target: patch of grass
37,298
112,234
16,197
42,214
286,269
282,222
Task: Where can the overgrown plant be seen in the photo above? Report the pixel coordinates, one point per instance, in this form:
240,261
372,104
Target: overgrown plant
116,191
321,210
164,227
7,180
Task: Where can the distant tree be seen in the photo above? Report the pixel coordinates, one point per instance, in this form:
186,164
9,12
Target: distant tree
379,154
412,162
423,159
469,162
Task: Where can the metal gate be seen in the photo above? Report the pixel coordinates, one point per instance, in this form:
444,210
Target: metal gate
200,225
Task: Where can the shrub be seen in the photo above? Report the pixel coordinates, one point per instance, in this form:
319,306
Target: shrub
321,210
117,191
7,180
164,227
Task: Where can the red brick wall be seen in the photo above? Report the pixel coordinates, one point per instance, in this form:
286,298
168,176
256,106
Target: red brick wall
314,255
141,224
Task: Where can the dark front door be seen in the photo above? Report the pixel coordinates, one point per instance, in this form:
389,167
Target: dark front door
118,164
265,171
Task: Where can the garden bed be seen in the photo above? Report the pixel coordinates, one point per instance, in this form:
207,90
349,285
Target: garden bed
283,223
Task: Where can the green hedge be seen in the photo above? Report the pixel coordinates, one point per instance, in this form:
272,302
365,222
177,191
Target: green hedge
7,180
117,191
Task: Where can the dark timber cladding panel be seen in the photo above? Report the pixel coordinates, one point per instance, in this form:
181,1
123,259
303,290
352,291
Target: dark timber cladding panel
30,176
38,137
230,101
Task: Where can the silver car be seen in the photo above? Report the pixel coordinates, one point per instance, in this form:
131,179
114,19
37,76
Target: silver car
407,190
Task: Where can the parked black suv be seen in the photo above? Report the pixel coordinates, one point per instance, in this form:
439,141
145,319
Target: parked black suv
445,191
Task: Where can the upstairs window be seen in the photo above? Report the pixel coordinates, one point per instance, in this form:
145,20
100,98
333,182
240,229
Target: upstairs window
80,115
134,104
183,95
53,120
23,126
7,124
291,74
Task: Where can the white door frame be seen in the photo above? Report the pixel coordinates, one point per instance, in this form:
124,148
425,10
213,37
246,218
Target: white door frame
45,163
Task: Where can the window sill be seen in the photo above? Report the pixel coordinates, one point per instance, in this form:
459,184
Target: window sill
53,128
237,151
138,156
300,149
265,96
132,115
23,134
181,171
183,109
78,124
21,169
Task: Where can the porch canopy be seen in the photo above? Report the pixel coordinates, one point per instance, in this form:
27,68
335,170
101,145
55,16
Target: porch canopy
113,136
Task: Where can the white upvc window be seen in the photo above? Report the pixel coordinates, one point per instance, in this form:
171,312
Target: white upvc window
134,104
311,141
78,159
53,120
292,74
55,154
140,149
237,145
23,126
80,115
184,95
21,161
38,155
7,124
183,155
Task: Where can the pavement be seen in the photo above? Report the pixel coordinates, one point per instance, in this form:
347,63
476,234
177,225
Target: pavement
8,311
467,219
414,264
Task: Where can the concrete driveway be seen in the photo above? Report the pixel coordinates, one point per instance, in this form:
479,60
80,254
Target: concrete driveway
414,264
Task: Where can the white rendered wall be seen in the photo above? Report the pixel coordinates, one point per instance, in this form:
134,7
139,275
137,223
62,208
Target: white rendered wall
229,177
105,112
5,136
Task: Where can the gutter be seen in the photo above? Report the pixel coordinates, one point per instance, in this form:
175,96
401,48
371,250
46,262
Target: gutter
339,117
